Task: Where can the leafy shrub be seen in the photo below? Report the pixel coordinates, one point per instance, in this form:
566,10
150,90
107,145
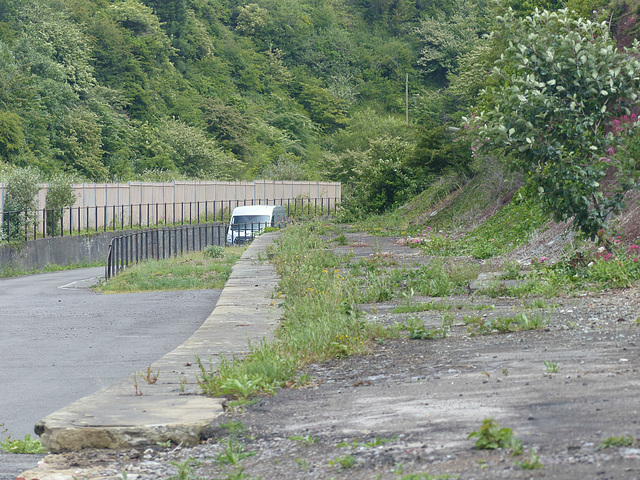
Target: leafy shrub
60,195
20,202
490,436
557,124
213,251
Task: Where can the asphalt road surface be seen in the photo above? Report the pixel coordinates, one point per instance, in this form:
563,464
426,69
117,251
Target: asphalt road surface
60,341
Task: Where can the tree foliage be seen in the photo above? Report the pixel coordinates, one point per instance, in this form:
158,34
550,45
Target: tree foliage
20,202
446,38
558,109
60,195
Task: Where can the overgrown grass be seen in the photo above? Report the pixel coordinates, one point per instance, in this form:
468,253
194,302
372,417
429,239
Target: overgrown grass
594,271
319,321
192,271
510,227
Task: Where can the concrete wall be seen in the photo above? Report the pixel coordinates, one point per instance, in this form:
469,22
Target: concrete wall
141,203
136,193
37,254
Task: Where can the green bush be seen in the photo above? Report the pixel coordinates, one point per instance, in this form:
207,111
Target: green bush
20,203
60,196
213,251
560,111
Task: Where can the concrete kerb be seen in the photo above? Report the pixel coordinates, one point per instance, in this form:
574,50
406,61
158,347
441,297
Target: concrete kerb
122,415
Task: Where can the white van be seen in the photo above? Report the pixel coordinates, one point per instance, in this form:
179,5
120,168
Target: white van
247,222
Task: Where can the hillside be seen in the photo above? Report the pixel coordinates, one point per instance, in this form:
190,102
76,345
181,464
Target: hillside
203,88
541,94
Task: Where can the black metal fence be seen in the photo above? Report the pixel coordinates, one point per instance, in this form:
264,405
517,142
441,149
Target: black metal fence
78,220
134,246
131,247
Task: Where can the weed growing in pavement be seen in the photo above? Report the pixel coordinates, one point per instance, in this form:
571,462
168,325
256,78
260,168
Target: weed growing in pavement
185,470
417,329
536,303
427,476
423,333
150,376
341,239
432,280
478,325
233,452
27,445
302,463
183,383
236,474
511,271
376,442
381,287
238,405
228,383
481,307
306,440
551,367
319,320
531,463
422,307
136,386
242,386
613,442
345,461
490,437
440,280
234,427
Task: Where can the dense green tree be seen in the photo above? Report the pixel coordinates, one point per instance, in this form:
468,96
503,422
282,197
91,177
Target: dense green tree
383,179
560,109
172,13
228,126
95,87
11,134
446,38
195,154
440,148
20,203
79,144
325,109
60,195
132,55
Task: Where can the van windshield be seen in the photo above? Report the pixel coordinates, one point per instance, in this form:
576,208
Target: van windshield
244,219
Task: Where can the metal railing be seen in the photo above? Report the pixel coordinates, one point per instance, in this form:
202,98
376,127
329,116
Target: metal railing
131,247
16,225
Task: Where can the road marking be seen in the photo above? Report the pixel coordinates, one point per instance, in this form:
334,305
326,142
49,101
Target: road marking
85,283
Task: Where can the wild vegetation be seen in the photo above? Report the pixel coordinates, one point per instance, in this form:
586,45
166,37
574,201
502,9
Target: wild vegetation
539,93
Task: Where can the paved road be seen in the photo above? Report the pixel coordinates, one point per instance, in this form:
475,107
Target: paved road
60,341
